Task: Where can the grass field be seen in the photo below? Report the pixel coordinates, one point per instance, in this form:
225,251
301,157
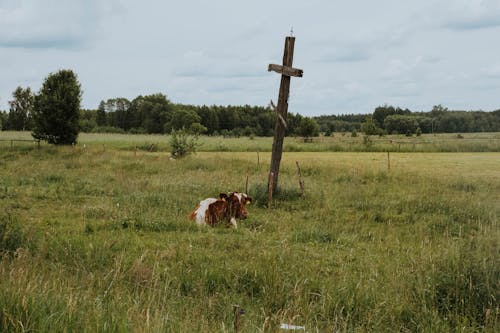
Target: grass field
339,142
96,239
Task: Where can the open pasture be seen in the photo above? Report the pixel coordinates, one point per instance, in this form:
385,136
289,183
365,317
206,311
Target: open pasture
97,239
339,142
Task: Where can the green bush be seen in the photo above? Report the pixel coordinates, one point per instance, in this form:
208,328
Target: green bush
182,143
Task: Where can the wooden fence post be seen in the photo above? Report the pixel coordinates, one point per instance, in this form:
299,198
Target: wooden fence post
238,313
246,184
270,194
301,183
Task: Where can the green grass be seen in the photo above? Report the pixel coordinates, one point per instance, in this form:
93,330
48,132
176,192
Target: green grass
339,142
98,240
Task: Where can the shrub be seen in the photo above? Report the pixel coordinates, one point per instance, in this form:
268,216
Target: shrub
197,129
369,127
367,141
182,143
308,128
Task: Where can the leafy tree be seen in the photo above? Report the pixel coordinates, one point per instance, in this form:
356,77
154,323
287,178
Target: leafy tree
438,110
150,112
87,120
183,119
197,129
3,120
21,109
342,123
266,122
209,119
56,109
308,128
426,124
101,114
385,111
400,124
119,111
370,128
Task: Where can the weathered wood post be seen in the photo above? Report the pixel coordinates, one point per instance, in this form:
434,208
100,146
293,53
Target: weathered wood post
286,71
301,182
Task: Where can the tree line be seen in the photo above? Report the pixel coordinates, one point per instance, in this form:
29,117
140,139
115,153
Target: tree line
55,109
388,119
156,114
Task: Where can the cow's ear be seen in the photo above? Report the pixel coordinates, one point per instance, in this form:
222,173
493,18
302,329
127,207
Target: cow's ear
248,200
222,195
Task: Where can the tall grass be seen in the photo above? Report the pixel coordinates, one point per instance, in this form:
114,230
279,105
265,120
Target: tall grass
99,240
339,142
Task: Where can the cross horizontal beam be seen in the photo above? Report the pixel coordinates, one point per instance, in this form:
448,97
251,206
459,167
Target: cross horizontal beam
285,70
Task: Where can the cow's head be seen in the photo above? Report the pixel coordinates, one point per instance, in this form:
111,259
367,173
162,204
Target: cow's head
237,203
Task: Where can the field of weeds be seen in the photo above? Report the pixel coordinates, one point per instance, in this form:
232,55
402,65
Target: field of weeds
96,239
338,142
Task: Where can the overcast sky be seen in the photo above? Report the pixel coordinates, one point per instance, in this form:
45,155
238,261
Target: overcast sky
355,54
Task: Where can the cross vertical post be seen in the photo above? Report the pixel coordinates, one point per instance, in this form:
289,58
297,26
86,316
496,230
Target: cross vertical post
281,109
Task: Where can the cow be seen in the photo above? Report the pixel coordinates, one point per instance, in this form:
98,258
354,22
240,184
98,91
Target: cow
228,207
237,204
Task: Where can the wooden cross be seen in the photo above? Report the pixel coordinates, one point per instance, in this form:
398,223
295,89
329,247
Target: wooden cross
287,71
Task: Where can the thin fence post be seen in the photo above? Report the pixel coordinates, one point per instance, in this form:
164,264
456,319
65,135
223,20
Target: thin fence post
301,183
388,162
238,313
270,194
246,184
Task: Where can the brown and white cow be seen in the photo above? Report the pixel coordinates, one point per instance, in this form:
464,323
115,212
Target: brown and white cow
237,204
227,207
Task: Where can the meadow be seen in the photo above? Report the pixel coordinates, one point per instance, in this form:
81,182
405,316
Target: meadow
339,142
95,237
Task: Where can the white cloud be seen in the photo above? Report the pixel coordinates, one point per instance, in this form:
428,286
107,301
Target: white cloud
50,23
355,55
473,15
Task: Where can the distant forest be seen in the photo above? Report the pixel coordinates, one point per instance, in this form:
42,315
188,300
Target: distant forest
156,114
388,119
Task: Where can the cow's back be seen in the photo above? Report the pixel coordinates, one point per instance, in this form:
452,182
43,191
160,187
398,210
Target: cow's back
200,213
